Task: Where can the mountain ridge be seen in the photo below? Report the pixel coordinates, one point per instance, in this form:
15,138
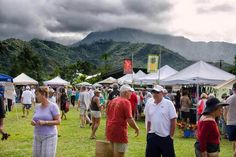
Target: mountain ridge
211,51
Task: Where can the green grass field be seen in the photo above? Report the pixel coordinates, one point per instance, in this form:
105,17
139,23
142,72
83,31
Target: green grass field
75,142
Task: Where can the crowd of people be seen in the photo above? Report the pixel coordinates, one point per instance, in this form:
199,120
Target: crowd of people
123,106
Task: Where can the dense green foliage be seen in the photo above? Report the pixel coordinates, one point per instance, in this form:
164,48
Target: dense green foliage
75,142
233,68
43,60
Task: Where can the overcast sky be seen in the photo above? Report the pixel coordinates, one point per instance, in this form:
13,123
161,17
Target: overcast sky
67,21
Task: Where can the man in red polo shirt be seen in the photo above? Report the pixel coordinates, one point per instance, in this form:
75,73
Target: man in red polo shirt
119,113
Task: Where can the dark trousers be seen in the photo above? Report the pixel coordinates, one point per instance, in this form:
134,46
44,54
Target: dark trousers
72,100
9,104
158,146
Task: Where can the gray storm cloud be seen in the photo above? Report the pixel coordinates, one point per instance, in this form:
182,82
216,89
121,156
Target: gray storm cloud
54,19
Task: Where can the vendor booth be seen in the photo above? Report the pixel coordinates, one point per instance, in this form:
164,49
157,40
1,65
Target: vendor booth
196,75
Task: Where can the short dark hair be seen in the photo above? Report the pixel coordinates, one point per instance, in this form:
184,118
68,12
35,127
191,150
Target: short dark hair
83,88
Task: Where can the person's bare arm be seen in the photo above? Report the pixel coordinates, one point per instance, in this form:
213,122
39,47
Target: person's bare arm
172,127
78,103
133,125
226,109
148,126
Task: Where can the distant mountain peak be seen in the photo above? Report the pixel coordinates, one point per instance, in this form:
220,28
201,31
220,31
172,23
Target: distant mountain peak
207,51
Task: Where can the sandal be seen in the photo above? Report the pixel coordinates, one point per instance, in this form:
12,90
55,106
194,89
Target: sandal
93,137
5,136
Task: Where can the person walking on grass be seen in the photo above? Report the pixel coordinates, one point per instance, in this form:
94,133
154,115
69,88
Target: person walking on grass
26,99
161,122
83,104
119,115
51,97
2,115
45,119
63,101
230,117
72,98
95,112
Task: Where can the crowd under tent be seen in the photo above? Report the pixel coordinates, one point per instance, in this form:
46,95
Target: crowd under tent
199,73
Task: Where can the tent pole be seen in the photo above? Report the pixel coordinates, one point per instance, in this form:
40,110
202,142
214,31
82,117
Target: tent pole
197,98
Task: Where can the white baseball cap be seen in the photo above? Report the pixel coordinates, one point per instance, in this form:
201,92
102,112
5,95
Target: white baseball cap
157,88
51,90
165,90
27,87
126,87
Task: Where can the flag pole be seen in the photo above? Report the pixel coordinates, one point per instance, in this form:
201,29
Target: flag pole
132,57
159,72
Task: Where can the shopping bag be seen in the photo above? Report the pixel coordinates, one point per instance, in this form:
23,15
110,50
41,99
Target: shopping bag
103,149
67,107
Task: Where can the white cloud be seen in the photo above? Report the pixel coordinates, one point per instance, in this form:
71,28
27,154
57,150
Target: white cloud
214,23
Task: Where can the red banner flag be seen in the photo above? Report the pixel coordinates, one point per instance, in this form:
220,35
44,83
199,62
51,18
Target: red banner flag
128,67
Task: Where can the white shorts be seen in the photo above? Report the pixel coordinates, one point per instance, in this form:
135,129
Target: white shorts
83,111
96,114
120,147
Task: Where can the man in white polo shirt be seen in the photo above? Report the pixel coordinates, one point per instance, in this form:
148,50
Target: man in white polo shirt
26,100
161,122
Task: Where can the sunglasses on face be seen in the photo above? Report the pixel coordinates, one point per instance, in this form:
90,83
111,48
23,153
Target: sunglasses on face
155,92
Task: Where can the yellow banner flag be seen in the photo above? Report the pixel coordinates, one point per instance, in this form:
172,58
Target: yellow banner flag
153,61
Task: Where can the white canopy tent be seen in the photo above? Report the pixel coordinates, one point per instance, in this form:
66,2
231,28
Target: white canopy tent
129,78
108,80
92,76
224,87
57,81
200,73
163,73
24,79
97,85
126,79
84,84
138,75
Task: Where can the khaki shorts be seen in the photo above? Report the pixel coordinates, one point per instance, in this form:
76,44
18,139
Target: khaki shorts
96,114
120,147
83,111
